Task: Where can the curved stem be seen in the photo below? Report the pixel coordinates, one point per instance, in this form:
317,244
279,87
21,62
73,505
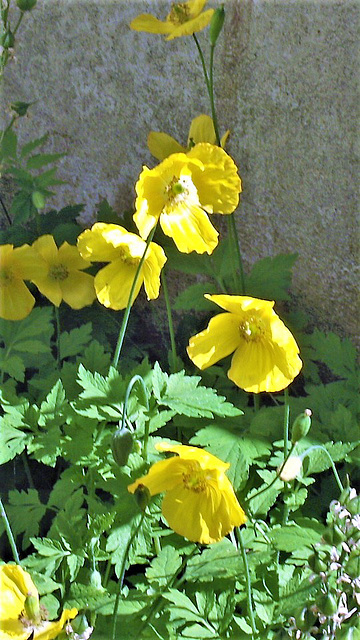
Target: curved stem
207,82
9,533
18,23
122,573
5,210
319,446
125,320
170,322
277,474
132,382
249,597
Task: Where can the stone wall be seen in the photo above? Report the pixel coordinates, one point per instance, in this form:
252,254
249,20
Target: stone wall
285,81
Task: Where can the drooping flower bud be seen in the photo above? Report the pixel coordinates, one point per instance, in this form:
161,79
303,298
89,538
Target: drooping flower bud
20,107
291,469
142,496
301,426
122,445
26,5
216,24
38,199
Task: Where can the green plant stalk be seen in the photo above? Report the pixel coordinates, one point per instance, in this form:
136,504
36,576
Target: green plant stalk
125,321
249,597
130,386
9,534
27,470
211,94
122,574
256,402
336,475
170,322
286,511
5,211
277,473
57,321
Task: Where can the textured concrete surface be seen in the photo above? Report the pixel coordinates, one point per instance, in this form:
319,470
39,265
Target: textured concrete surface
286,84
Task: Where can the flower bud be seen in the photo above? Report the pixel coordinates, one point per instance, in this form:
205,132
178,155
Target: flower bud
317,563
301,426
26,5
7,40
142,496
291,469
38,199
20,107
32,608
304,619
334,535
327,604
216,24
354,506
122,445
95,580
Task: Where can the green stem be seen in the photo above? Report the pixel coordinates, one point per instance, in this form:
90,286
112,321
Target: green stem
249,597
9,533
5,211
211,94
319,446
57,320
122,574
18,23
207,82
130,386
240,278
277,473
286,421
27,470
125,320
256,402
170,322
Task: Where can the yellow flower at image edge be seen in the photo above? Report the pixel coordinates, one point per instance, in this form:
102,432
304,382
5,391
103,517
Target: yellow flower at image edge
21,616
17,265
62,277
199,502
182,190
184,19
265,352
123,250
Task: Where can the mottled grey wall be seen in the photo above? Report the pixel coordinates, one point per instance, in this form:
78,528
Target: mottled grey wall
286,87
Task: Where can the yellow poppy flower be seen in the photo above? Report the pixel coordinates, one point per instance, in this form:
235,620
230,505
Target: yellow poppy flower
161,145
182,190
123,250
199,502
184,19
265,352
21,616
17,265
62,278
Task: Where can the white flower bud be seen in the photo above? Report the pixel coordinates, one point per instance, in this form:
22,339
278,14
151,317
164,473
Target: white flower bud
291,468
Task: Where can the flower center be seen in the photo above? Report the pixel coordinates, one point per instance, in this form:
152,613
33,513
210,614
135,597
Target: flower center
179,13
195,481
125,256
252,329
58,272
7,277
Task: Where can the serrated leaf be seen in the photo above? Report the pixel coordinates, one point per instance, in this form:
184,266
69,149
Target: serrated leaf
8,144
12,442
337,353
182,394
197,631
270,278
53,406
292,537
73,342
184,608
221,560
193,297
262,503
25,512
84,596
32,346
12,365
33,144
41,159
49,548
318,460
164,566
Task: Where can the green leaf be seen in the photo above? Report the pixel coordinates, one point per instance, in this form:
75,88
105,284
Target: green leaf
193,297
25,512
42,159
184,608
221,560
12,365
73,342
317,460
47,179
8,144
164,566
292,537
88,597
51,410
33,144
262,504
182,394
270,278
12,442
337,353
22,208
